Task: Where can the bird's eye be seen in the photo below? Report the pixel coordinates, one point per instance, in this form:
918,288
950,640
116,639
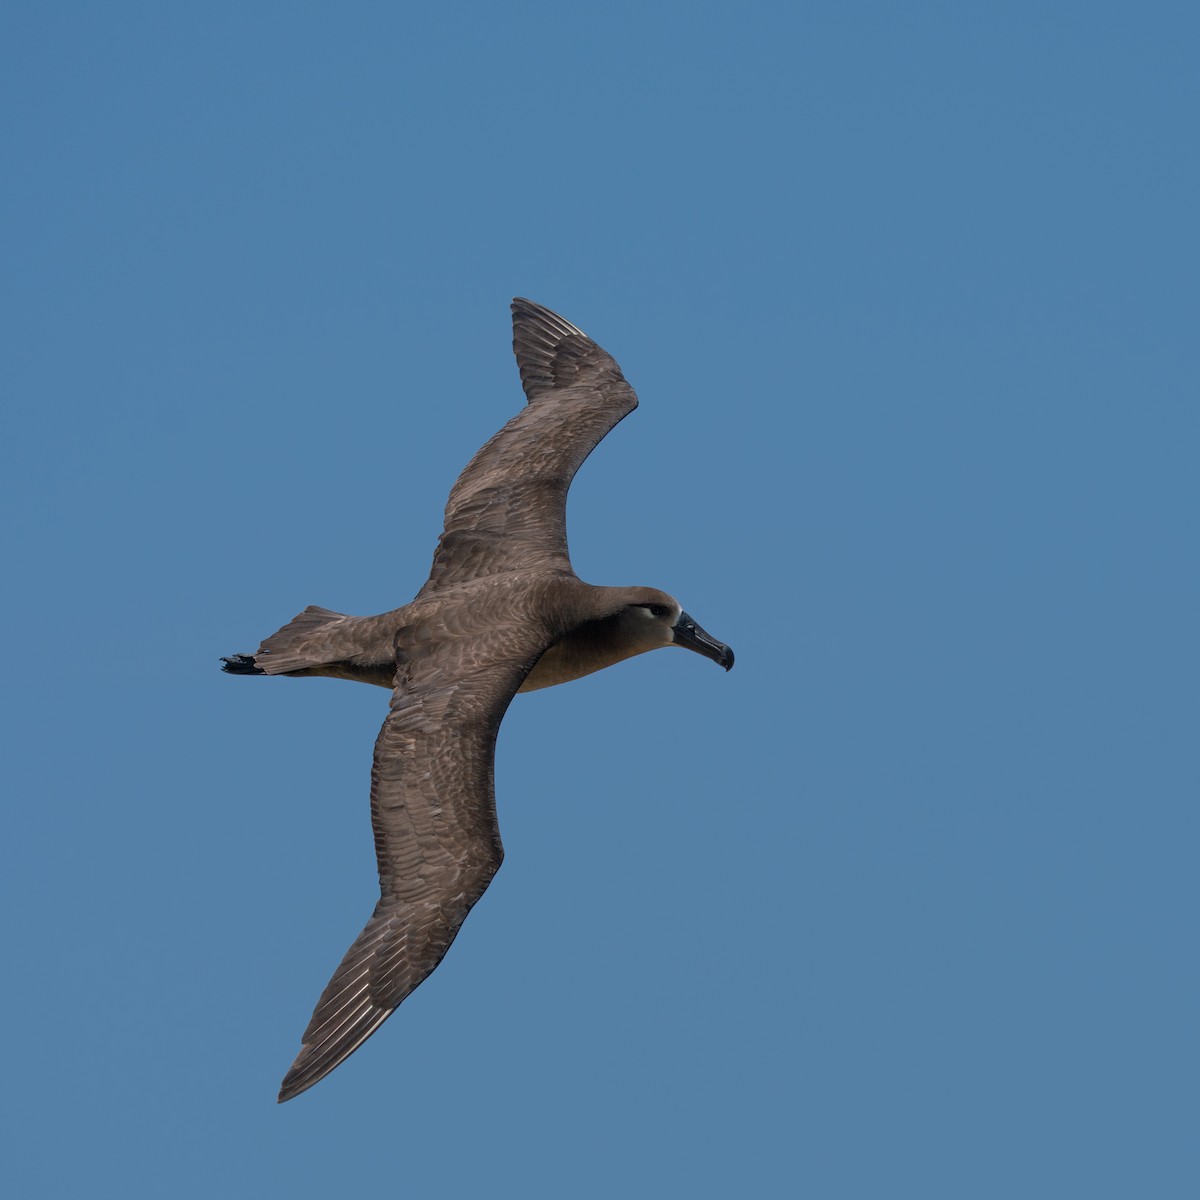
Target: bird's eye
657,610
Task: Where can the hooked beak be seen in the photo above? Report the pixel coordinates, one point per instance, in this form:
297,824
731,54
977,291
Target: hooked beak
688,634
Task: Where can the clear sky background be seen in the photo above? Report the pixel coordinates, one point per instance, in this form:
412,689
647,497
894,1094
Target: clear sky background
905,905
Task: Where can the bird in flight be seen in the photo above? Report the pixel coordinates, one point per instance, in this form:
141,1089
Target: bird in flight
502,612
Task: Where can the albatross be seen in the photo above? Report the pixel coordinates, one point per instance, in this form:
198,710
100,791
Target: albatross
502,612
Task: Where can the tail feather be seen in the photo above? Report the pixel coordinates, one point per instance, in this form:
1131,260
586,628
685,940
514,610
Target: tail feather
323,642
303,642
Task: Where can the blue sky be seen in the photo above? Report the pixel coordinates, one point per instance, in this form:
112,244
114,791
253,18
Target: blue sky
905,904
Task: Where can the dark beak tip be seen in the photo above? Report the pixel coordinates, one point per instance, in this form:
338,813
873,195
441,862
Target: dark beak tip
690,636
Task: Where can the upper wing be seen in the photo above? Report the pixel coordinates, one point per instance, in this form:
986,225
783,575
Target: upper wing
433,810
508,510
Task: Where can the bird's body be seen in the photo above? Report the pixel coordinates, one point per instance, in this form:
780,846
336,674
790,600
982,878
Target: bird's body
502,612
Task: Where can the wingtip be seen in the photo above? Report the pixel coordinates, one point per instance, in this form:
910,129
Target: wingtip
329,1041
299,1079
530,313
550,351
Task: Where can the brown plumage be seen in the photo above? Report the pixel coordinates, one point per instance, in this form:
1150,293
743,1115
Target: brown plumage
502,612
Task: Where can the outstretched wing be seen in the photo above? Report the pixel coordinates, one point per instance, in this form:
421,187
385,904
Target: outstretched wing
433,810
508,510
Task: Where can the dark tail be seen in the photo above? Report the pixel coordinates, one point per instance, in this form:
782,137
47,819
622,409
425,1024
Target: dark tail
305,643
241,664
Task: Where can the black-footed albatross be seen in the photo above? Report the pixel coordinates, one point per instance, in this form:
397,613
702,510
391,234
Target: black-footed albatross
501,613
